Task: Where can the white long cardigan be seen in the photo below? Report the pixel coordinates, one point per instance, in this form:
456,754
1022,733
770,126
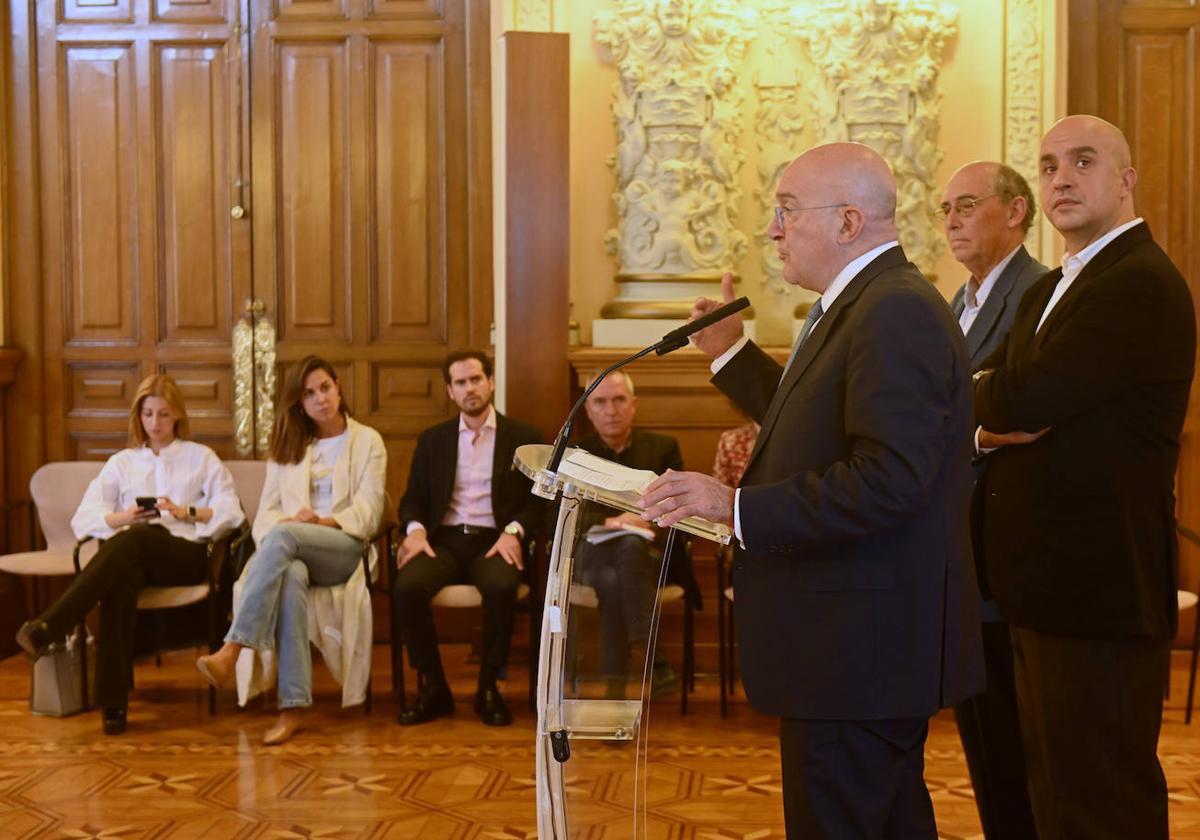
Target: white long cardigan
339,616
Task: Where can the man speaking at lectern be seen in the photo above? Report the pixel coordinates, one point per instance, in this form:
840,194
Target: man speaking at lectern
857,608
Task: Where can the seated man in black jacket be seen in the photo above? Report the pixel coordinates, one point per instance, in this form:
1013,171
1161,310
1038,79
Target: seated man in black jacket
624,570
466,513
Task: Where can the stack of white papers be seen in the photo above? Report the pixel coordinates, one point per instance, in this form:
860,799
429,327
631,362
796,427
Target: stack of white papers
597,472
602,533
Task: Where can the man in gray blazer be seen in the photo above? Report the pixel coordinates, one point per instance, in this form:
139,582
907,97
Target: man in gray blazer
987,210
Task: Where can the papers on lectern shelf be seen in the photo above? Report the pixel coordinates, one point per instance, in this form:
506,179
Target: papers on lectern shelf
597,472
602,533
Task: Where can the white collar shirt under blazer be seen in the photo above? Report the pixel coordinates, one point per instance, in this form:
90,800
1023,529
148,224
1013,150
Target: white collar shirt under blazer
186,472
359,474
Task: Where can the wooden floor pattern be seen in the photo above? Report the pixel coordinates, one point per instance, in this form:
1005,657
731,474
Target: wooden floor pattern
177,773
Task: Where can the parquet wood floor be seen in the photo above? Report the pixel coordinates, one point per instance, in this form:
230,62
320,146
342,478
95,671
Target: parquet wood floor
179,774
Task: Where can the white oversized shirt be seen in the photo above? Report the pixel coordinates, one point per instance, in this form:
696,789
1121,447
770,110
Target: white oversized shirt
186,472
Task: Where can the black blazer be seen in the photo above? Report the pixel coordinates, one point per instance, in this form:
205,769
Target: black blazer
431,479
1079,527
647,451
856,595
995,317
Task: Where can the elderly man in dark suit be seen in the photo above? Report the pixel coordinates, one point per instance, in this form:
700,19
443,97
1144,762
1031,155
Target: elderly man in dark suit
1083,406
987,209
466,513
857,607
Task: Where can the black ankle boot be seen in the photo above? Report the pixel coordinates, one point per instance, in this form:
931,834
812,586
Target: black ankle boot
34,638
433,700
114,721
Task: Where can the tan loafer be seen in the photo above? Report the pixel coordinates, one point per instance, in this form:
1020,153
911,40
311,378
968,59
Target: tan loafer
284,728
214,670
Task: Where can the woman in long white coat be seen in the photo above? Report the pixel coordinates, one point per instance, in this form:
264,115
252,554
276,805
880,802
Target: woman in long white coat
323,496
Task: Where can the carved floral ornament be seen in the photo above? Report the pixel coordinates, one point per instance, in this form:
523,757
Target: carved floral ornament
677,108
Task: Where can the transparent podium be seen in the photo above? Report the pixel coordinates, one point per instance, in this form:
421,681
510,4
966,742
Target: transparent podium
597,669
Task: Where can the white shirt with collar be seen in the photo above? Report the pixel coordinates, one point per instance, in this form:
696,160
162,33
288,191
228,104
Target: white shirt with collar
974,301
1073,264
840,282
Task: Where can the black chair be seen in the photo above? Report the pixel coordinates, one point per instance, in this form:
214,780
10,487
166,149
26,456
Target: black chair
1188,600
726,641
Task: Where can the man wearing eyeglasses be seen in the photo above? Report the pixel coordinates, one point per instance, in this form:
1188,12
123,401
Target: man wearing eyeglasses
987,209
857,607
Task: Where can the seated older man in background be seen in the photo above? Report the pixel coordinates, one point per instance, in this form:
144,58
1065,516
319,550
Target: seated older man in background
624,570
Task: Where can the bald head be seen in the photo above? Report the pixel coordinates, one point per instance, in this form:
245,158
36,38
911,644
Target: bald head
1100,131
1086,179
854,174
837,201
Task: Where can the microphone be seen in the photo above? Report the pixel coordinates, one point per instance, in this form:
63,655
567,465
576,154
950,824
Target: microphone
678,337
673,340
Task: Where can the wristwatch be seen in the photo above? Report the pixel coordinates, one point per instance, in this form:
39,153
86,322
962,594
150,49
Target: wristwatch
514,529
192,513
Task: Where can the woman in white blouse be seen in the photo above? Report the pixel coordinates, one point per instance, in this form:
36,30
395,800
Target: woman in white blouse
324,495
158,545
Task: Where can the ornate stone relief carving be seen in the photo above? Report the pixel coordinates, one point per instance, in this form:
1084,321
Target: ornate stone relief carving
678,116
1023,67
780,120
879,61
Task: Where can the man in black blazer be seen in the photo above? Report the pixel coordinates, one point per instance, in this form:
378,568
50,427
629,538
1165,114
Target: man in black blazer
857,607
1079,519
466,513
987,209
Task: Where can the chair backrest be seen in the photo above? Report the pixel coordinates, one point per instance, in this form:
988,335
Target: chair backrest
248,478
57,489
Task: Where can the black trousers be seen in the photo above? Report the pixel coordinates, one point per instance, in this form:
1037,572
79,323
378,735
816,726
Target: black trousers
460,559
856,780
991,738
1090,712
144,555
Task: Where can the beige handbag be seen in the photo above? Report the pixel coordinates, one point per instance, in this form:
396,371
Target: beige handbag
55,688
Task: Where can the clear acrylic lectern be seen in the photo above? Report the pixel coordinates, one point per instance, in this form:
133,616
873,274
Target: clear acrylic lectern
589,691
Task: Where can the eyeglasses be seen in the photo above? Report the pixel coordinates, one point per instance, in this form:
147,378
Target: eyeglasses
964,207
780,212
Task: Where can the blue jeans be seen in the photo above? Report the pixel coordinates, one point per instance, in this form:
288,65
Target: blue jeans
273,612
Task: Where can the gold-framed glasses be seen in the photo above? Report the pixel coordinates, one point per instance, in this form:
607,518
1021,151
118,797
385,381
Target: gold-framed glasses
964,207
781,212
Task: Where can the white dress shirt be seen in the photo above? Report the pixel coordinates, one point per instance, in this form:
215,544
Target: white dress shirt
186,472
973,300
840,282
1073,264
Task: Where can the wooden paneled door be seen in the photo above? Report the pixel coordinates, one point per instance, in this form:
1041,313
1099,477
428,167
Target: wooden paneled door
145,268
319,167
372,196
1137,64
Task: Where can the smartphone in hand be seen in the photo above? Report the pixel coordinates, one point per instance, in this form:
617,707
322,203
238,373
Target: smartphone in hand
148,503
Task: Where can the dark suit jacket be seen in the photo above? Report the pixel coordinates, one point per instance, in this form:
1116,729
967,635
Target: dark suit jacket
990,328
431,480
648,451
1079,527
995,317
856,595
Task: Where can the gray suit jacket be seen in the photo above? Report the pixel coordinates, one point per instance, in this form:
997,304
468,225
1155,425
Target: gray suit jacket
995,318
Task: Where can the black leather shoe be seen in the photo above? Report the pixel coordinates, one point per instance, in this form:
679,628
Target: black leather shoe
491,708
433,700
34,638
114,721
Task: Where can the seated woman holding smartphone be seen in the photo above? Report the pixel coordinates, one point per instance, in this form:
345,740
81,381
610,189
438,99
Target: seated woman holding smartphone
152,504
323,496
